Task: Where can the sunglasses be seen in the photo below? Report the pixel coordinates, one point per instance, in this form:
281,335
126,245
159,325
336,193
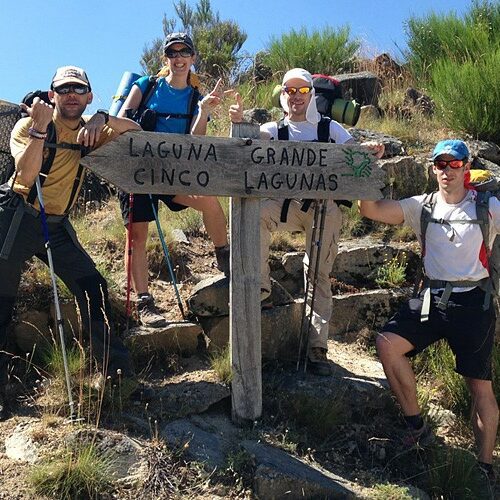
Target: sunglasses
442,164
71,88
294,90
173,54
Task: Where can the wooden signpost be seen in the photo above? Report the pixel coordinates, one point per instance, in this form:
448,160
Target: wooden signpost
245,168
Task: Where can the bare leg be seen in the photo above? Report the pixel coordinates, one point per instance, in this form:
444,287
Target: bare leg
213,215
139,272
484,417
391,350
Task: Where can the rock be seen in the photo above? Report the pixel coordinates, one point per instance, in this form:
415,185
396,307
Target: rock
279,475
488,150
364,309
388,69
197,444
364,86
126,452
210,297
406,176
280,330
369,112
356,263
179,236
416,102
186,396
70,316
180,337
393,146
257,115
20,446
32,328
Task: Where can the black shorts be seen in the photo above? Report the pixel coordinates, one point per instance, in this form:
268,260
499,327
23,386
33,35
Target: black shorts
143,211
468,329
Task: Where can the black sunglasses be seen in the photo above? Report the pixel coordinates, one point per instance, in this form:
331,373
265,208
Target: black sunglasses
173,54
71,88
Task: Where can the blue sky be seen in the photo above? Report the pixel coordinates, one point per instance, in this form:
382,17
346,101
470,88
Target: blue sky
106,37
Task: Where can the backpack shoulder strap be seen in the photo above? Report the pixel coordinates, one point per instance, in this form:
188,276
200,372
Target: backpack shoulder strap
193,102
324,130
47,163
146,96
482,215
426,216
283,133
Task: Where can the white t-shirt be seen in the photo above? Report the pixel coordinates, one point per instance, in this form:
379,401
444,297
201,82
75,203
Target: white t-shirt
305,131
452,251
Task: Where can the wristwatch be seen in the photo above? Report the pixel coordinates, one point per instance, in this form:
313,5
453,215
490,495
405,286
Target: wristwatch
104,113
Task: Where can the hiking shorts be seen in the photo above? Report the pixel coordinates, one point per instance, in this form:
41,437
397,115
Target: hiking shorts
468,329
143,211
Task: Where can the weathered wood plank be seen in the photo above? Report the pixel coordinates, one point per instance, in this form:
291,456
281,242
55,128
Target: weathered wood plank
244,293
150,162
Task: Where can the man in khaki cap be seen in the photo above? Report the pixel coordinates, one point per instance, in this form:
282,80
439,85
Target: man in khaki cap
48,145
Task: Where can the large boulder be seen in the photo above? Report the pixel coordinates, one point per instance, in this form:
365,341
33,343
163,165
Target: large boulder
180,337
365,86
210,297
488,150
405,176
370,309
280,331
393,146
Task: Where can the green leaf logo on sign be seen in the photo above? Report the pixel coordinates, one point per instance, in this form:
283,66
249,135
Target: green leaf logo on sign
360,163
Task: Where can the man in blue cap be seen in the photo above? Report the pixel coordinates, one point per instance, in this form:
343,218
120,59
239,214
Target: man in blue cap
455,303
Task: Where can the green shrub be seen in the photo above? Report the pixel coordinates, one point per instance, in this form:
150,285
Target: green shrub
220,362
392,273
468,94
436,36
76,474
327,51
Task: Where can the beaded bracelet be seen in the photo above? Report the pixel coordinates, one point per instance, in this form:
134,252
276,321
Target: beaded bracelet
33,132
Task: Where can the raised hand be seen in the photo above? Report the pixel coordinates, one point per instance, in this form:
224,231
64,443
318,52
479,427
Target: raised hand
40,112
236,110
212,100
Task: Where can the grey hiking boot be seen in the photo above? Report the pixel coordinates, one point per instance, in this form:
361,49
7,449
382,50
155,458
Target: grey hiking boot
149,315
222,256
317,362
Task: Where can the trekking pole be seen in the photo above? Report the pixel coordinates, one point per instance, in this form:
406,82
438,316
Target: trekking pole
59,319
316,269
312,248
129,257
166,255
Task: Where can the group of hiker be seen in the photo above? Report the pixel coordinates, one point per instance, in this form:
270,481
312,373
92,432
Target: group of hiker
455,303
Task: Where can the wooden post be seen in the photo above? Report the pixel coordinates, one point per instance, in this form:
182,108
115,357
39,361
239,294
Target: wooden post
247,169
244,300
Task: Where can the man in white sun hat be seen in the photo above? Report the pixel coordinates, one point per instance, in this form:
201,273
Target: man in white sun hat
303,123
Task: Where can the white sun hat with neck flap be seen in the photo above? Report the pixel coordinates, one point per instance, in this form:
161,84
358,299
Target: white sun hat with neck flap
312,115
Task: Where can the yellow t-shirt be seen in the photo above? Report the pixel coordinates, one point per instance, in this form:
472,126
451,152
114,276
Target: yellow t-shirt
58,185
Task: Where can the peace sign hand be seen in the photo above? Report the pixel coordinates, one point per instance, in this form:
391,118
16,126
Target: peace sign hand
212,100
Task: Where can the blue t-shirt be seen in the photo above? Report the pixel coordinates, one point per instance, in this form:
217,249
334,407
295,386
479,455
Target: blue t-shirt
167,99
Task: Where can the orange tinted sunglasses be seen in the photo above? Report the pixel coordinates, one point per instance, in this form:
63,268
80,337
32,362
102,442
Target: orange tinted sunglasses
442,164
294,90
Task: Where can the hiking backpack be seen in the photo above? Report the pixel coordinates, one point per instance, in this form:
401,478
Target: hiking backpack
490,285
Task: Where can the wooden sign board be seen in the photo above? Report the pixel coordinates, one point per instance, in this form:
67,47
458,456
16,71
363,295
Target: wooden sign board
152,162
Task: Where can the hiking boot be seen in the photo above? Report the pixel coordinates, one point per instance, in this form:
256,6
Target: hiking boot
149,315
222,256
317,362
419,437
488,473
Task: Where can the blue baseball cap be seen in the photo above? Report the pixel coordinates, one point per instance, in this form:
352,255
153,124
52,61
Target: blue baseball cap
452,147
